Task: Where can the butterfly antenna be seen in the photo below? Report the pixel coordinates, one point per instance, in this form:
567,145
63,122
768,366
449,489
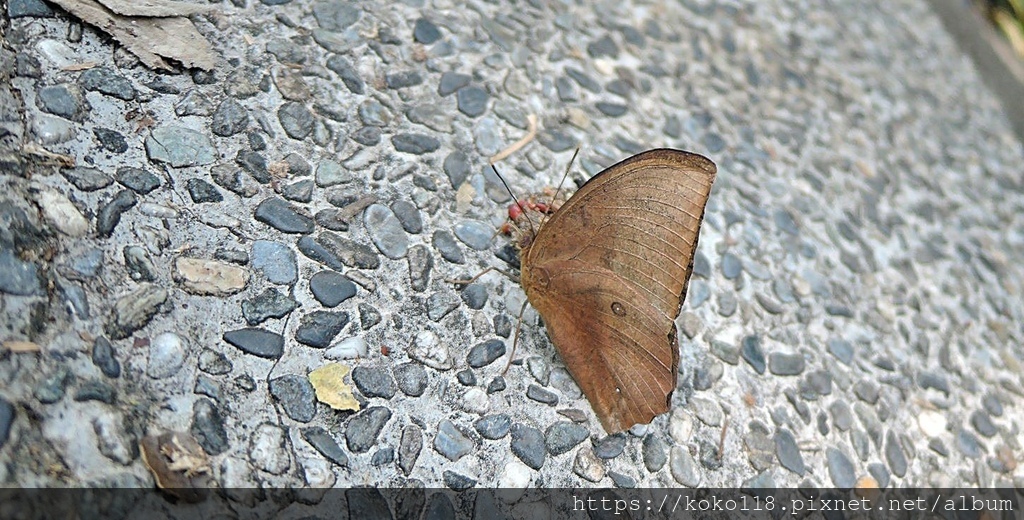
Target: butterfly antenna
513,195
568,167
515,340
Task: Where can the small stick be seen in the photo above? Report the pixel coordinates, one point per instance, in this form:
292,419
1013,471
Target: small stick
515,340
478,275
531,132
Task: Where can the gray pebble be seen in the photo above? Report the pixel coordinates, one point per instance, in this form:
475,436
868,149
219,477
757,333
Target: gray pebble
475,296
316,251
528,445
457,481
840,468
109,215
374,382
603,46
475,234
134,310
255,164
96,391
485,353
230,118
969,444
51,389
612,109
466,377
255,341
982,423
202,191
564,436
295,119
411,378
654,455
701,265
752,353
457,167
866,391
271,303
416,144
727,303
18,276
330,173
137,180
368,316
140,267
683,467
583,79
364,427
541,395
992,404
282,216
87,179
208,427
472,100
110,140
714,142
493,427
566,90
348,74
296,395
760,448
934,380
421,262
322,441
783,364
386,231
372,113
409,216
276,260
841,349
64,100
425,32
205,385
318,328
452,442
788,452
894,455
451,82
331,288
496,385
213,362
731,266
7,417
180,147
439,304
610,447
402,79
167,353
103,357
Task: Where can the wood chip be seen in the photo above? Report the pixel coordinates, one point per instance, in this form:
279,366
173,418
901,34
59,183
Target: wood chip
19,347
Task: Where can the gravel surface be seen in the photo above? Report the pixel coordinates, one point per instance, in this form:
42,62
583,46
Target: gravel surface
854,315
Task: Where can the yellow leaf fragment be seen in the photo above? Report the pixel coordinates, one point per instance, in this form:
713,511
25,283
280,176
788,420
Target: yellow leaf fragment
20,346
331,389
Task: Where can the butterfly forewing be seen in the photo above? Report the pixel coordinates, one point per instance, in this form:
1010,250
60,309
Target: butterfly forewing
608,273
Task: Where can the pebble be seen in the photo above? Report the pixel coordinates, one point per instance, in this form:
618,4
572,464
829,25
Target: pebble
475,296
137,180
324,443
167,352
282,216
111,439
785,364
296,120
894,455
541,395
458,482
427,348
348,74
588,466
180,147
254,164
841,349
268,449
731,266
64,100
271,303
319,328
683,467
932,423
475,234
330,173
202,191
51,389
489,140
969,444
229,118
386,231
408,215
564,436
653,450
457,168
416,144
539,369
316,251
352,254
364,427
18,276
992,405
96,391
752,353
52,129
133,311
409,448
296,395
411,379
485,353
840,468
528,445
109,216
451,82
452,442
430,115
354,347
421,262
298,191
612,109
214,363
374,382
425,32
60,213
472,100
209,277
331,288
402,79
493,427
256,341
140,266
104,359
205,385
276,261
788,452
610,447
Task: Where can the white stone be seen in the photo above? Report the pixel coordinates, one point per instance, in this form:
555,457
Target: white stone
61,213
683,467
217,219
680,426
475,400
427,348
268,450
932,423
587,465
209,277
57,53
112,440
166,355
52,129
318,474
348,348
513,480
151,209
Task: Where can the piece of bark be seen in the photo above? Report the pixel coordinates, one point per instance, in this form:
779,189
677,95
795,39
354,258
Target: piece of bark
158,8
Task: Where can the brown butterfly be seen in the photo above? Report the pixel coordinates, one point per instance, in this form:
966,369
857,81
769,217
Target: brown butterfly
608,272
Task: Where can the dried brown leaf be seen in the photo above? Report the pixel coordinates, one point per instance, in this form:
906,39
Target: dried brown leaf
158,8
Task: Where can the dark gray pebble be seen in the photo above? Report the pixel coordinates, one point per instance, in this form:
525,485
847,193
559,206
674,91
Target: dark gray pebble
528,445
583,79
408,215
383,456
202,191
296,120
752,353
322,441
403,79
51,389
445,244
788,452
64,100
374,382
731,266
840,468
472,100
411,378
351,253
421,263
230,118
331,288
466,377
6,420
103,357
841,349
457,167
564,436
416,144
18,276
604,46
110,140
894,455
496,385
493,427
457,481
451,82
318,328
282,216
475,296
784,364
541,395
255,164
316,251
485,353
255,341
367,136
296,395
556,140
348,74
364,427
213,362
205,385
612,109
87,179
654,453
368,316
982,423
934,380
271,303
452,442
96,391
109,215
425,32
138,180
610,447
208,427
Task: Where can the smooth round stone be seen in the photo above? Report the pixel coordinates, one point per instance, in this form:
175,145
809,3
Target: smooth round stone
785,364
416,144
472,100
386,231
612,109
982,423
137,180
282,216
255,341
296,120
488,140
610,447
411,379
788,452
166,355
683,467
318,328
542,395
528,445
485,353
604,46
451,82
699,293
409,215
653,450
64,100
731,266
475,296
52,129
451,442
493,427
457,167
425,32
374,382
276,260
564,436
475,401
475,234
841,349
348,348
894,455
330,173
364,427
296,395
752,353
445,244
969,444
840,468
331,288
109,216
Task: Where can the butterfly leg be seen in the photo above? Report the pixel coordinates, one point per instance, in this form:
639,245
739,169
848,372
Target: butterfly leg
515,340
458,281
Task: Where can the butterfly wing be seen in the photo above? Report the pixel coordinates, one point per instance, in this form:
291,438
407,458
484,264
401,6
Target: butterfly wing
608,273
